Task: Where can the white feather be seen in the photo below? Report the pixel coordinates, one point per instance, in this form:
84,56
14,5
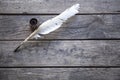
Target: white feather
56,22
52,24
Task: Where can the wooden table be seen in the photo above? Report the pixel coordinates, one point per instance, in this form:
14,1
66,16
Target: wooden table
86,47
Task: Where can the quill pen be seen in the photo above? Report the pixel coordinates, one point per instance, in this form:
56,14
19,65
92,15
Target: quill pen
52,24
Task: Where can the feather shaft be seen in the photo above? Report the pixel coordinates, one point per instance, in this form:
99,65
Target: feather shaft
31,35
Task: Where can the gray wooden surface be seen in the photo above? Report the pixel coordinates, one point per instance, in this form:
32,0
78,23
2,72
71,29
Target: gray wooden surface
61,53
57,6
78,27
60,74
86,47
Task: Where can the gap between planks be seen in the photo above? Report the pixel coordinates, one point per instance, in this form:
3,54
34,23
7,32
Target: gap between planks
61,39
107,13
59,66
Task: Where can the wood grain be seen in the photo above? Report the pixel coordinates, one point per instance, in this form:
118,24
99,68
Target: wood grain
65,54
77,27
57,6
61,53
59,74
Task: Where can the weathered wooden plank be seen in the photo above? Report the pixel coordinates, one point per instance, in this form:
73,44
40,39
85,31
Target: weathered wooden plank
61,53
78,27
57,6
60,74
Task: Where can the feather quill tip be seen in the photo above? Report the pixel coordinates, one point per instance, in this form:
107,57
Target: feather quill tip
17,48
